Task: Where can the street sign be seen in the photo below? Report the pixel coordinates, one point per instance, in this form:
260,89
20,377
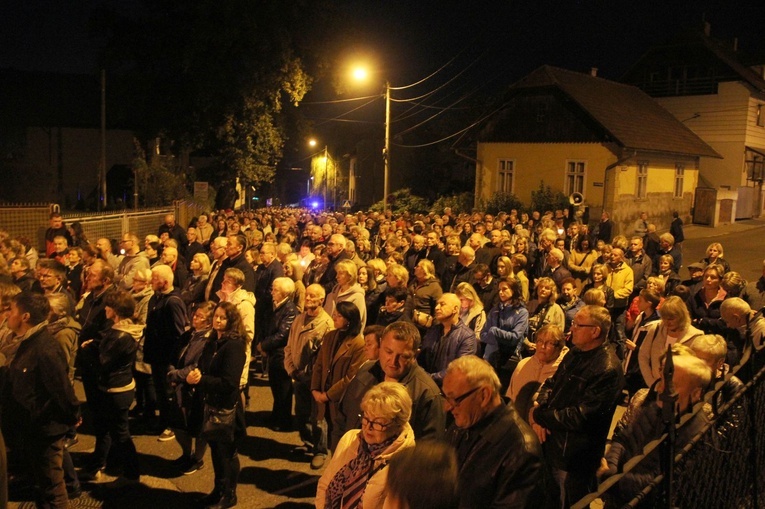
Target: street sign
346,204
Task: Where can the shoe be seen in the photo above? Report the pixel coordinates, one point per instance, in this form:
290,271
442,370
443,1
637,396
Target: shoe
318,461
181,461
211,498
121,482
193,466
166,436
70,442
90,474
226,501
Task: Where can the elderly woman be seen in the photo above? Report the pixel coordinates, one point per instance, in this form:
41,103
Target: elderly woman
425,291
217,377
64,328
339,358
704,305
598,275
532,372
715,256
347,289
188,425
674,327
193,291
667,273
543,310
357,474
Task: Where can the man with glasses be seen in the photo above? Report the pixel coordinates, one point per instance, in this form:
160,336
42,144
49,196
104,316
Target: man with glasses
399,347
335,253
499,459
574,408
218,252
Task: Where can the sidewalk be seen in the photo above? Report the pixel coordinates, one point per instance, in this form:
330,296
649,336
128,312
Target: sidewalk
697,231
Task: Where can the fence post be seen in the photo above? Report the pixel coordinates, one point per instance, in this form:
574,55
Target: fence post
668,414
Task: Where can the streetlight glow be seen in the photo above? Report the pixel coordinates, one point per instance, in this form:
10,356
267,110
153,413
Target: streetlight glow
312,142
360,74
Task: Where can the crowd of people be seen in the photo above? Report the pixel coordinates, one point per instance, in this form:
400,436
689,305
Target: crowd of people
487,352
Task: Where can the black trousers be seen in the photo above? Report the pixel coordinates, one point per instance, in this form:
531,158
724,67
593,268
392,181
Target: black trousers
164,394
113,432
226,465
281,390
46,455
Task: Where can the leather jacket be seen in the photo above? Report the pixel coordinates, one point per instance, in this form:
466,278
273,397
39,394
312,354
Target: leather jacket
577,405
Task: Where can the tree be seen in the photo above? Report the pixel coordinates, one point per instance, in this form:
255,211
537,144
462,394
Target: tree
215,75
545,198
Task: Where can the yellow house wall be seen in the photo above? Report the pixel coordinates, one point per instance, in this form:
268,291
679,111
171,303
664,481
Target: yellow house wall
535,162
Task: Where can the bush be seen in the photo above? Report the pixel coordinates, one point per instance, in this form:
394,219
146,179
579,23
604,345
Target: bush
545,198
459,203
403,200
503,202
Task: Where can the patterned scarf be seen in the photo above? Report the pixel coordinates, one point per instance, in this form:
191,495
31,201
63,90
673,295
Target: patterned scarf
347,486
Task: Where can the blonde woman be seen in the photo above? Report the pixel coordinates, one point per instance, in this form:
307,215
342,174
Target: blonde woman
715,256
347,289
472,312
543,309
504,267
598,275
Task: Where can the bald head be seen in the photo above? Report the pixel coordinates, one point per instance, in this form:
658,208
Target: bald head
448,309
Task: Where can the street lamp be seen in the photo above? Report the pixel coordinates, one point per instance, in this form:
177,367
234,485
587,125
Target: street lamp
360,74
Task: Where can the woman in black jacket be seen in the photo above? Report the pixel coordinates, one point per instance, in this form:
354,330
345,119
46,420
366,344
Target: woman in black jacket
217,377
115,355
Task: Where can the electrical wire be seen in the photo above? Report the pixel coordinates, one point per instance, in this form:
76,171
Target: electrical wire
338,101
412,128
437,70
340,117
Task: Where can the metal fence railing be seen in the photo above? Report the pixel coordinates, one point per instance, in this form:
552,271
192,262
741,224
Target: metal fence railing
31,220
722,466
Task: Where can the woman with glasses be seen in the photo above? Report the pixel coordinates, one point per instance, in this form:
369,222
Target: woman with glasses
357,474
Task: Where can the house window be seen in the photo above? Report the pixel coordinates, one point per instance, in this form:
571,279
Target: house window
506,173
679,178
642,179
574,177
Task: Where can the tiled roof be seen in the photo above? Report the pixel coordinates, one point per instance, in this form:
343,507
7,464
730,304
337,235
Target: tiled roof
632,118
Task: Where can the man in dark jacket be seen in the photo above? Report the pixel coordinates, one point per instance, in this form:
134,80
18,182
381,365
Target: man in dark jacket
235,246
335,253
434,254
165,322
23,276
446,340
270,269
575,406
282,291
57,228
174,231
40,404
398,350
499,458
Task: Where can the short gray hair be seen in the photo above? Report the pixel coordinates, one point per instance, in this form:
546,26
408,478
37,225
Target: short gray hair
477,372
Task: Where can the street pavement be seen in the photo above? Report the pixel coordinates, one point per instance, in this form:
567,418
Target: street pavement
272,476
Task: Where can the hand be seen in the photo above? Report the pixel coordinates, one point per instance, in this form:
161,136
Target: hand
602,469
630,344
541,432
320,397
194,377
86,343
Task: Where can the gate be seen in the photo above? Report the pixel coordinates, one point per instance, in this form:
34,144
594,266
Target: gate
704,209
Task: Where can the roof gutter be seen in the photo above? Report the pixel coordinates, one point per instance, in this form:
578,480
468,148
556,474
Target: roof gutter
478,177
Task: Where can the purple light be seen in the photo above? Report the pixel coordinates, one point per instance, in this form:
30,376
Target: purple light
315,204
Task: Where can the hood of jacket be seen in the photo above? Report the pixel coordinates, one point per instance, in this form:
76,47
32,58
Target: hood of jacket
356,288
128,326
64,323
146,292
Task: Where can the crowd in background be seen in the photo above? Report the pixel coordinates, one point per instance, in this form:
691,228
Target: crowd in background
332,308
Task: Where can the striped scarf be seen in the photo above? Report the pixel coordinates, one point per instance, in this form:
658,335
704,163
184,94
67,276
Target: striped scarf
348,485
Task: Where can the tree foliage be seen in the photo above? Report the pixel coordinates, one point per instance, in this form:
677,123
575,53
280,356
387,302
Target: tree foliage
459,203
503,202
403,200
545,198
214,75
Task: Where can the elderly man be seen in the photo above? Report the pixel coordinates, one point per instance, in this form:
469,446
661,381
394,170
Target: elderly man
39,403
165,322
234,257
61,248
303,344
641,265
218,252
462,272
545,243
738,315
204,230
499,459
447,340
194,246
399,346
555,269
273,343
622,281
232,291
575,406
270,269
104,247
174,231
667,246
335,253
170,258
132,261
690,379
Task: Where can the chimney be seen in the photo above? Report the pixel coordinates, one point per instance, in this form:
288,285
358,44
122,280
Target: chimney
707,28
594,72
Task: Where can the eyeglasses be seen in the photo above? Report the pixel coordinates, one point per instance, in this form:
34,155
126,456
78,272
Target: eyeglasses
582,325
455,402
373,425
543,344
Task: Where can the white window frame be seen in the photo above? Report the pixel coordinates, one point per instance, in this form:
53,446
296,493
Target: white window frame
575,177
679,180
641,180
505,175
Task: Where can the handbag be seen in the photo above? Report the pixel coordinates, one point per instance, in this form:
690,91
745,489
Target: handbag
422,319
218,424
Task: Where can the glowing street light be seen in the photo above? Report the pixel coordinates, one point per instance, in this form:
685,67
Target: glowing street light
312,142
361,74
